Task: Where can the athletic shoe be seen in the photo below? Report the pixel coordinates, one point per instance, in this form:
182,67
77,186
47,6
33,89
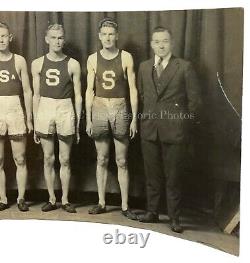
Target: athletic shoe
69,208
97,209
3,206
22,206
129,214
49,207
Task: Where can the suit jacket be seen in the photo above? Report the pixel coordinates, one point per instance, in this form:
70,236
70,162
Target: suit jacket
167,111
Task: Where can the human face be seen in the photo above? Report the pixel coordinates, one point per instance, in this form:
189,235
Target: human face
161,43
108,37
55,40
5,39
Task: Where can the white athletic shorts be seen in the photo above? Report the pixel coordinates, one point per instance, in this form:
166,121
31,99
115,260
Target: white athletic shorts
12,120
55,116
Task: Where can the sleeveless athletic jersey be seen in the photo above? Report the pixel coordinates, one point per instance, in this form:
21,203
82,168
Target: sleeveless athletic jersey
110,81
10,84
55,80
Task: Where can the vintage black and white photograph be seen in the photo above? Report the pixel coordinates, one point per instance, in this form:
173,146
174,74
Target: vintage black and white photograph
124,118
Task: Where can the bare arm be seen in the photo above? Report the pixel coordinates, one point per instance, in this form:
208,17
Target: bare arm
27,93
133,95
89,96
140,89
35,70
76,76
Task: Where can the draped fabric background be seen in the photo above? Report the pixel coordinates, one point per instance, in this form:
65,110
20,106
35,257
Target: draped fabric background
211,39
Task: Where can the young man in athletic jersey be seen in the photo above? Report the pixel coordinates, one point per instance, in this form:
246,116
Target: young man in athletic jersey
14,82
111,81
56,80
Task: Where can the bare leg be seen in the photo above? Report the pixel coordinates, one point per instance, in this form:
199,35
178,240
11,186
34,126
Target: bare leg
18,151
65,172
3,198
102,148
49,171
121,149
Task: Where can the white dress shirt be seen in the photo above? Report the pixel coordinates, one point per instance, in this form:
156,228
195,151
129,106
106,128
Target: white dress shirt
164,61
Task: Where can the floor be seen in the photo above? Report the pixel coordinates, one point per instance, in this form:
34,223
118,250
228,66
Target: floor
198,226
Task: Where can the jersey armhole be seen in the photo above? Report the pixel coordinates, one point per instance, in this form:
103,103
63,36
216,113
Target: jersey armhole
42,63
123,54
70,75
93,62
14,59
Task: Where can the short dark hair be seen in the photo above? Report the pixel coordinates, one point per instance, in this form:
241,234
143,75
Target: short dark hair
162,29
4,25
55,27
108,22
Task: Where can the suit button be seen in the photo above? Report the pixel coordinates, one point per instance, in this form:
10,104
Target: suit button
176,104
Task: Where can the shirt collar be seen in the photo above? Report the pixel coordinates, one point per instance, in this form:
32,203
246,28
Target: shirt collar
164,61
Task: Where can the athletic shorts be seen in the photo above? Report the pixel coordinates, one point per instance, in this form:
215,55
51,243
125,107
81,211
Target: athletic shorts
110,116
12,120
55,116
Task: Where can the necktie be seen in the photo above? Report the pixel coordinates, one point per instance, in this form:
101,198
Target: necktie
159,67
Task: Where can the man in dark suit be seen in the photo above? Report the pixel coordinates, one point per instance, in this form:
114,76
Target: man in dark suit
169,99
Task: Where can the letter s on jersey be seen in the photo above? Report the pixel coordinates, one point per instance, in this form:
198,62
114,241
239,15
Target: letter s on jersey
52,78
4,75
108,76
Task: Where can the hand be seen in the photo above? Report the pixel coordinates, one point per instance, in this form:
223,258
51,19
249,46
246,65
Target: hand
29,126
89,128
36,139
133,129
77,136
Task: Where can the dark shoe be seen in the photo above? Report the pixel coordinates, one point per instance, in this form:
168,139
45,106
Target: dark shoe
175,226
49,207
148,217
97,209
129,214
69,208
3,206
22,206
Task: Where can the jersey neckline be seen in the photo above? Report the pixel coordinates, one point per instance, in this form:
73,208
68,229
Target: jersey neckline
55,60
118,53
12,54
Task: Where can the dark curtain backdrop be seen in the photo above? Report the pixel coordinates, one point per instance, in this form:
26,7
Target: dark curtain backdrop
211,39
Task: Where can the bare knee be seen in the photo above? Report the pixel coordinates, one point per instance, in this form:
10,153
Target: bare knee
102,160
121,163
64,160
20,160
49,160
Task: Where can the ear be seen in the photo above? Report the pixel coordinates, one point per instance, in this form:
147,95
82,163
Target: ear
64,42
152,44
171,44
99,35
10,37
116,36
46,39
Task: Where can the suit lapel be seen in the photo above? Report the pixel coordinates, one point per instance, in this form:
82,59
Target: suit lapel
168,73
150,69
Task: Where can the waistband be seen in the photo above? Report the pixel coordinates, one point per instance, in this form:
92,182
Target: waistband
110,99
52,100
9,99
